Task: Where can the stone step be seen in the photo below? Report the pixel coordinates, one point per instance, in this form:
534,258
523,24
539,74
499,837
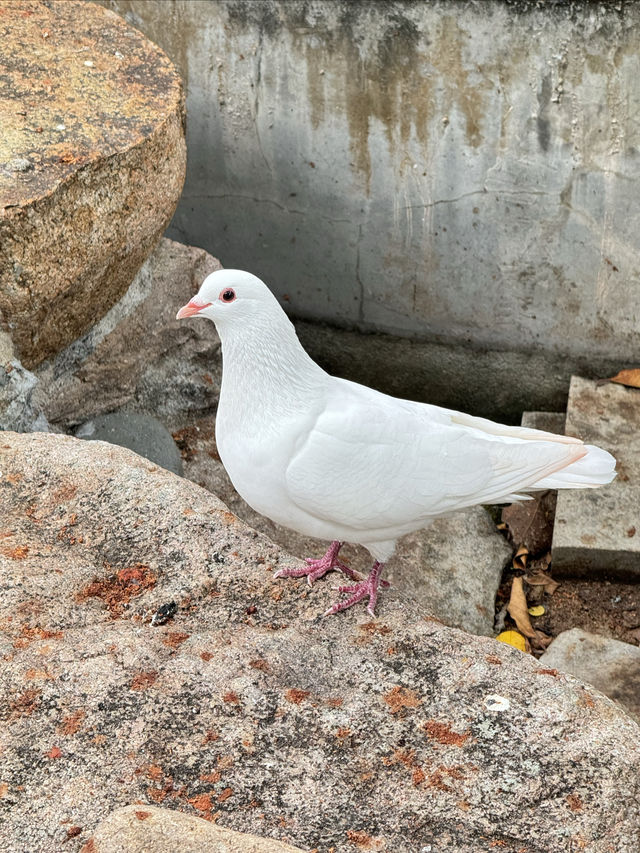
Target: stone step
597,531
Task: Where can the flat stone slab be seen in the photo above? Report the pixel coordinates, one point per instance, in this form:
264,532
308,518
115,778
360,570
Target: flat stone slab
597,531
246,707
611,666
142,829
92,163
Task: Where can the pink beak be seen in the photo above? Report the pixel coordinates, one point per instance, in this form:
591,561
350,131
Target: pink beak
190,309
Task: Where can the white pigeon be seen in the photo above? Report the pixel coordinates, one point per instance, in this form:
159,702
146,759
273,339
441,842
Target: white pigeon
340,461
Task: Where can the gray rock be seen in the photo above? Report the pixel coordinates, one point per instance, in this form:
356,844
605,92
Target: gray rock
141,829
452,570
139,355
609,665
246,707
90,190
17,409
596,531
141,433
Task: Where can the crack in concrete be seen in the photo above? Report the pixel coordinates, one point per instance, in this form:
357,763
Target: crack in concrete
358,279
272,201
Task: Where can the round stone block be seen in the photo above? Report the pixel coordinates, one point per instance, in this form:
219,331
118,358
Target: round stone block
92,163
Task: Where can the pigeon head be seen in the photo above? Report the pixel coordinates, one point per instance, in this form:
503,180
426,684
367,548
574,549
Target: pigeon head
232,297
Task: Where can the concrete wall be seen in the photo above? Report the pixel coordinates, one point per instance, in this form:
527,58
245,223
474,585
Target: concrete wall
464,174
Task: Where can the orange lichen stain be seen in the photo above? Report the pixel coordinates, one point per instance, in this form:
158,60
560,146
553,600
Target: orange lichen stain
4,787
464,805
25,704
155,772
374,628
206,655
20,552
443,733
364,841
89,847
210,736
585,699
54,752
13,478
202,802
231,697
224,795
173,639
211,778
260,664
400,698
295,695
156,794
391,650
74,831
494,659
72,723
37,674
417,777
553,672
574,802
343,732
435,780
117,590
142,815
100,739
335,702
143,680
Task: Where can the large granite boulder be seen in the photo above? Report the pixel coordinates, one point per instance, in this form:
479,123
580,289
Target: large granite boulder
149,657
138,356
92,163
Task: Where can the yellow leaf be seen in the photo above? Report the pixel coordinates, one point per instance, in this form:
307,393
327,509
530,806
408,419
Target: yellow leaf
513,638
536,610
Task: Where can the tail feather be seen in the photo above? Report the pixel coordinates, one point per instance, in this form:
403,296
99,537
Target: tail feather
595,468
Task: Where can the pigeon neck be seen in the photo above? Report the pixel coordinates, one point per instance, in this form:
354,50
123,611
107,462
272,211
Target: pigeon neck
266,361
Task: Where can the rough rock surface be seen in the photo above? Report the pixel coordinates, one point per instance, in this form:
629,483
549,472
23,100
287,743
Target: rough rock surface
451,570
596,531
246,707
139,356
611,666
17,410
92,163
141,433
142,829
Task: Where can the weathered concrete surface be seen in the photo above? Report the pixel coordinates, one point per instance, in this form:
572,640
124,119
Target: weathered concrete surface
611,666
141,433
548,421
139,356
597,531
92,162
460,172
136,829
451,570
250,709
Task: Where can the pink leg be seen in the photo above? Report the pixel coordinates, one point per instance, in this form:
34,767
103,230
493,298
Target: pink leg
317,568
359,590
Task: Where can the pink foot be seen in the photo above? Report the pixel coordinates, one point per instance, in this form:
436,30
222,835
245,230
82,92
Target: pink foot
317,568
360,590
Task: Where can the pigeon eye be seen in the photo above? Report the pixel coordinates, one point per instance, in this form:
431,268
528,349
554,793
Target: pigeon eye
228,295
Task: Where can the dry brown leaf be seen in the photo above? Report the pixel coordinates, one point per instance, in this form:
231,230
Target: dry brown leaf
520,558
630,377
540,578
518,609
531,522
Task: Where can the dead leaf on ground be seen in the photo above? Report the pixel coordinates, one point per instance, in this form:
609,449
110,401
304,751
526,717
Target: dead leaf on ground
518,609
629,377
540,578
520,558
530,523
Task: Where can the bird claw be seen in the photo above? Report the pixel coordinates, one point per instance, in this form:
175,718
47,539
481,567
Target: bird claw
358,591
